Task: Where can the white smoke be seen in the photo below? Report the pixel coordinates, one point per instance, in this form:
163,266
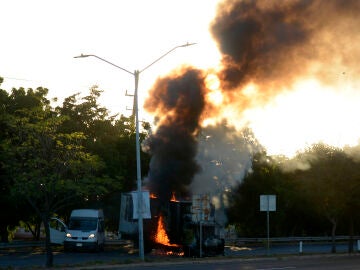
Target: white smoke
224,155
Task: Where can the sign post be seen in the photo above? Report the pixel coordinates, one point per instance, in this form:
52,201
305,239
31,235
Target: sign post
268,203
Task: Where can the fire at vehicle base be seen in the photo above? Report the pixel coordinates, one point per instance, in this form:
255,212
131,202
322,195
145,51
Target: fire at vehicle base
177,228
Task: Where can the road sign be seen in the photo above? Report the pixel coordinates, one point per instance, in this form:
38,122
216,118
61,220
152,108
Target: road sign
267,202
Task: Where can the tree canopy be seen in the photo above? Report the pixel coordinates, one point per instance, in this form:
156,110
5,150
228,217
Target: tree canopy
56,158
317,194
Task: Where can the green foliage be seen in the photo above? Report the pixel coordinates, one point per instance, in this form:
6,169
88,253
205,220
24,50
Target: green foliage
58,158
294,215
48,167
332,183
15,209
319,195
113,140
244,208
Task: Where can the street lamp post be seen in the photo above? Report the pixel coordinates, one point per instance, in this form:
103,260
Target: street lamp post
136,75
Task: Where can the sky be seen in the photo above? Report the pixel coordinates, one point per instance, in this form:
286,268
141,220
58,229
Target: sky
312,62
41,37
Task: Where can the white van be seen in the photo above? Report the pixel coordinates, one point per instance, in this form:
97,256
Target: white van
85,231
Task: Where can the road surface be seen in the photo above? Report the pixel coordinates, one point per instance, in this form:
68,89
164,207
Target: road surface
334,262
28,257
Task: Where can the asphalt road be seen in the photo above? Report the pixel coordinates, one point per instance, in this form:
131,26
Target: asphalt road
30,257
334,262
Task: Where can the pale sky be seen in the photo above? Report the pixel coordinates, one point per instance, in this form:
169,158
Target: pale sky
39,39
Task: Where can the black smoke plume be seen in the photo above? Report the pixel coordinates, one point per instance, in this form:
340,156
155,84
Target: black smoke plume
179,101
272,43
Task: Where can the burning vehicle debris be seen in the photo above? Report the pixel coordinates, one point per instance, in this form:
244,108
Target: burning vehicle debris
179,227
184,226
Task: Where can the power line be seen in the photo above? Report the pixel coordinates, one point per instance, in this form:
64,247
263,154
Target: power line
17,79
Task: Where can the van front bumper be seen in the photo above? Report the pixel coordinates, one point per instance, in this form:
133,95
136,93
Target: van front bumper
72,245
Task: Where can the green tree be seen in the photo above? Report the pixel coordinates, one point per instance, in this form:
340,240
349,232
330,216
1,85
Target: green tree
71,155
15,207
294,214
50,168
332,184
112,138
244,209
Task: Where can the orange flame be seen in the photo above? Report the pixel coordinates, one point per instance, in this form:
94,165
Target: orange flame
161,235
153,196
173,198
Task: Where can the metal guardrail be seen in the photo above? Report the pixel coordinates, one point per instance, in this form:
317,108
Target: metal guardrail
228,241
41,243
242,240
21,244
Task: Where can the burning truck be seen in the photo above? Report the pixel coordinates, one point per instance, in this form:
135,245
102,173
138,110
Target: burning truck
184,227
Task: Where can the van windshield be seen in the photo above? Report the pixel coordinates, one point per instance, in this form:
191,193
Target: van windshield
83,224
